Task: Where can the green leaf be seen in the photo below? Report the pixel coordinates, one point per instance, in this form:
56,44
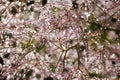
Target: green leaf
23,46
29,73
53,68
105,36
31,9
6,55
1,61
38,49
82,47
91,75
55,9
9,35
21,71
86,30
118,76
13,11
94,26
15,77
94,74
14,44
38,76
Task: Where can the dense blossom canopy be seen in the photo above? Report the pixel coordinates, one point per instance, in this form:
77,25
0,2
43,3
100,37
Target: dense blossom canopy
59,39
